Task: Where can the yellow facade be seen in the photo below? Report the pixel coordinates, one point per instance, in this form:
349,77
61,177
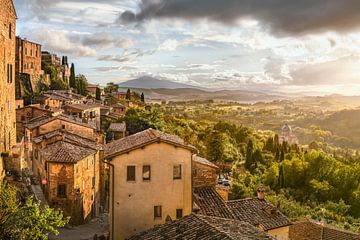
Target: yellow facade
134,201
280,233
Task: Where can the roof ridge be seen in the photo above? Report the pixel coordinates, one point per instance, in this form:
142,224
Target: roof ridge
215,227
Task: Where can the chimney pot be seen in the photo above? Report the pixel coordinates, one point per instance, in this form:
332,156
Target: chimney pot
261,192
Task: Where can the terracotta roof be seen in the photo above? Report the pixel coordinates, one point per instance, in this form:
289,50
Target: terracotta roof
258,213
204,162
210,203
315,230
81,107
194,227
65,152
142,139
70,137
118,127
41,121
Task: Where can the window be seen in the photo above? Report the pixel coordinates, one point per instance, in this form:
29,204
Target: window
157,212
130,173
62,190
10,73
77,169
177,172
63,126
146,173
87,164
22,118
10,31
179,213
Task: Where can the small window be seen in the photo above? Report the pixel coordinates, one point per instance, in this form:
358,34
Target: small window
77,169
146,173
177,172
157,212
93,182
63,126
22,118
87,164
62,191
130,173
179,213
9,73
10,31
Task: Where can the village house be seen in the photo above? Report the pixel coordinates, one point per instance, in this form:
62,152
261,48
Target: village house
25,114
28,66
92,88
7,81
68,169
194,227
87,112
311,230
46,124
141,171
255,211
118,110
117,131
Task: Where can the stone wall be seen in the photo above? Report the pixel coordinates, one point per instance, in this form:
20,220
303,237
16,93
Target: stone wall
7,79
28,61
203,175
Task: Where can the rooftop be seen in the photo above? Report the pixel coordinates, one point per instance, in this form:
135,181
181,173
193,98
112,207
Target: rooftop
142,139
82,107
69,137
118,127
65,152
204,162
258,212
210,203
194,227
46,119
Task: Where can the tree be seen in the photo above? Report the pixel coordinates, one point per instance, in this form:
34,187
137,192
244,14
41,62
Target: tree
142,97
138,120
128,95
98,94
249,155
72,80
111,87
28,221
81,84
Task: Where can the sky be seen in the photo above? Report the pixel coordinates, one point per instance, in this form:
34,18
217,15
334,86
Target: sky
264,45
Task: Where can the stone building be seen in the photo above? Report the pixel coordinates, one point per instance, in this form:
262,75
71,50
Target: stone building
151,186
7,80
46,124
204,172
311,230
287,135
86,112
68,168
28,113
92,88
117,131
28,66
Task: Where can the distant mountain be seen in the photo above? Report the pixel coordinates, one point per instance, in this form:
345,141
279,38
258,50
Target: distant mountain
147,82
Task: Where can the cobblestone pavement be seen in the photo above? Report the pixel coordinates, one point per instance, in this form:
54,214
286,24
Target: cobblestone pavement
99,227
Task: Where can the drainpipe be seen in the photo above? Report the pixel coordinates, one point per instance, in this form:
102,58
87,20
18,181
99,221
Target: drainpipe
112,197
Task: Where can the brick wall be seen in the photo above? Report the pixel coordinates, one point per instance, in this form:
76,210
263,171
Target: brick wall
203,175
7,78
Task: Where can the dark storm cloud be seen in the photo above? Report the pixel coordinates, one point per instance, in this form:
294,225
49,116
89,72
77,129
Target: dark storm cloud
281,16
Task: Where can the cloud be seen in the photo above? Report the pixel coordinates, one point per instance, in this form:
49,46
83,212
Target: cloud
344,70
61,42
169,45
281,16
103,41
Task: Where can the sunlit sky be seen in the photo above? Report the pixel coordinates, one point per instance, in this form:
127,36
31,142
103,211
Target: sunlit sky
264,45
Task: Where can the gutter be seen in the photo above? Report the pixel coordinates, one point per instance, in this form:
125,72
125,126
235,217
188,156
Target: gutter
112,197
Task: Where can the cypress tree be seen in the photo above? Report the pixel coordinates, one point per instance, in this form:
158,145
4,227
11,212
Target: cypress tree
72,77
98,94
249,155
142,98
128,94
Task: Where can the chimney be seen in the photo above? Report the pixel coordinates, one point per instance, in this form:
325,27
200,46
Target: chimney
261,192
